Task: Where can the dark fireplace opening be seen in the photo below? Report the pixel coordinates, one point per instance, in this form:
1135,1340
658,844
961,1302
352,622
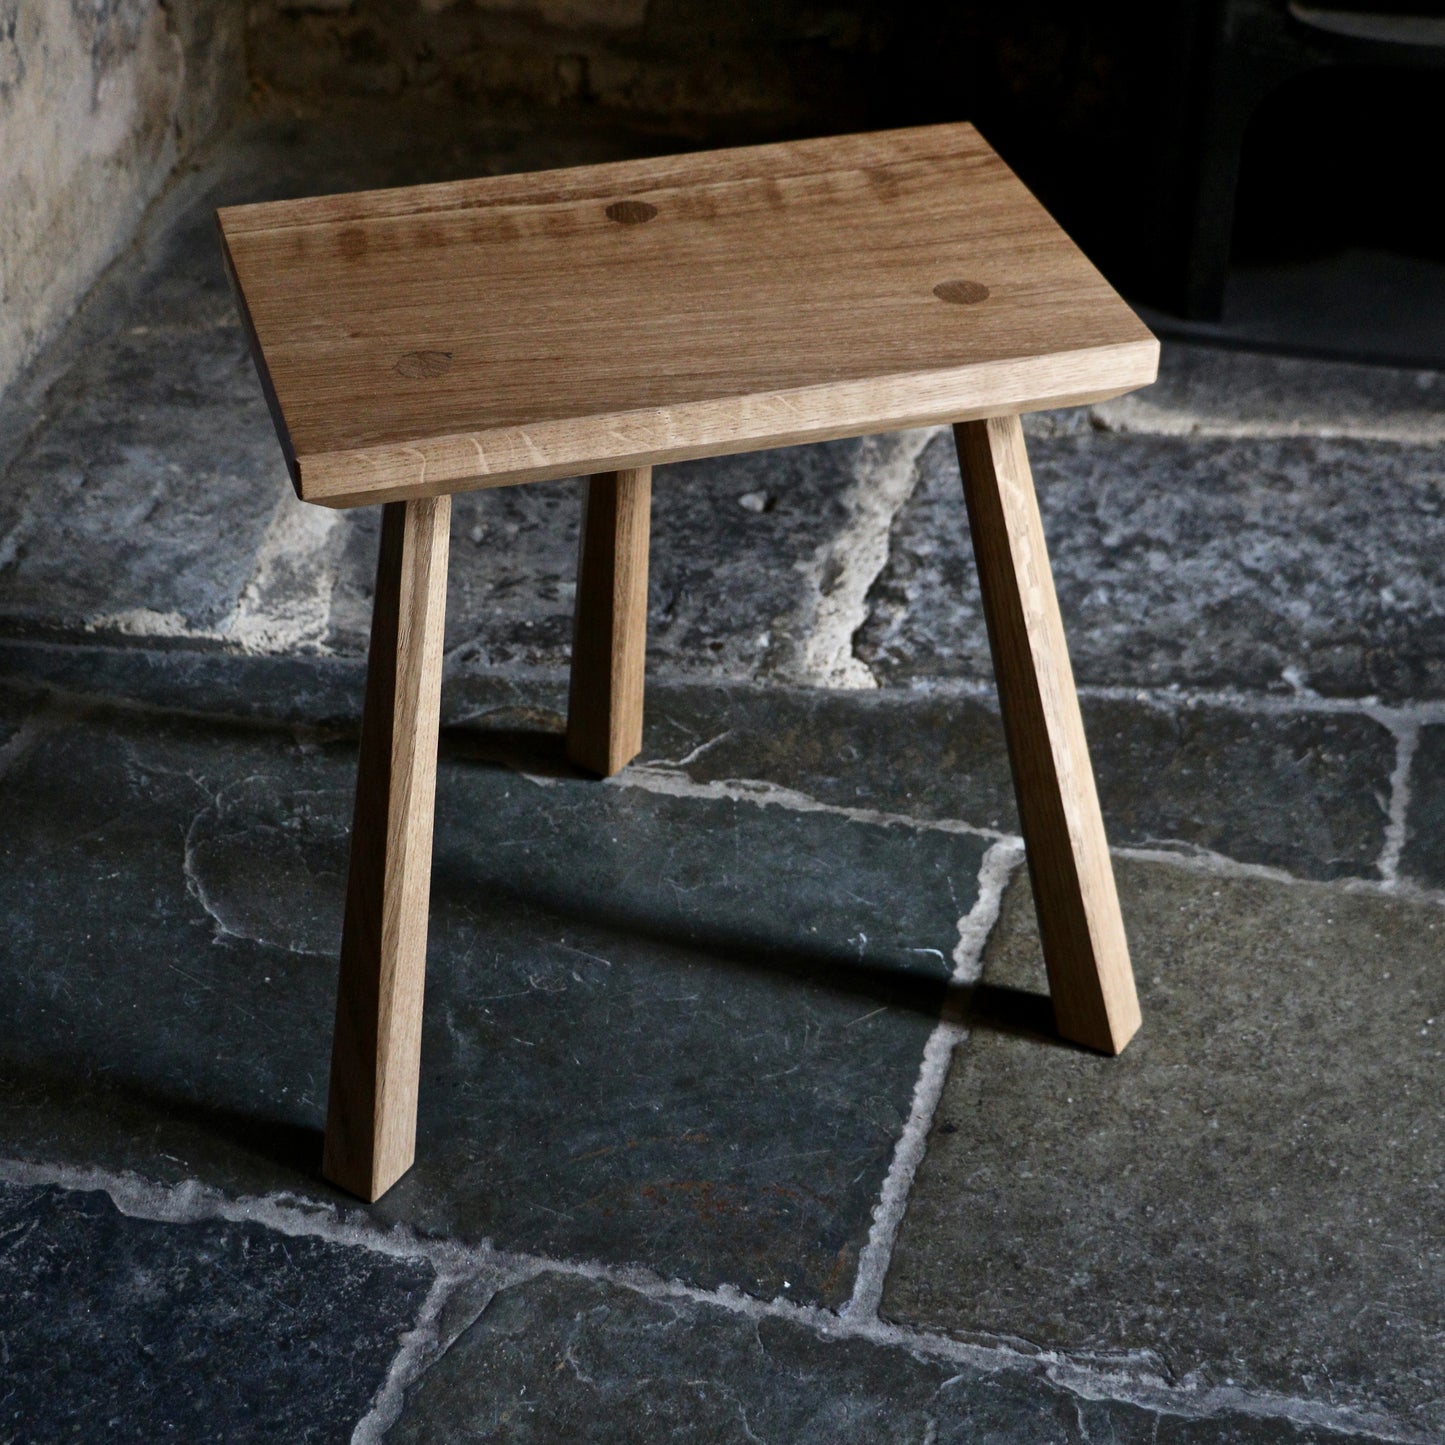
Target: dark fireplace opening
1343,159
1336,239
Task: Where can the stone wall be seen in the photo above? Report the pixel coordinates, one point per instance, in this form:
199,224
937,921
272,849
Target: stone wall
750,66
99,101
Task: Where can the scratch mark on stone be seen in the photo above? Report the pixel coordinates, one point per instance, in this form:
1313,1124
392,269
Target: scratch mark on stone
691,757
196,887
763,794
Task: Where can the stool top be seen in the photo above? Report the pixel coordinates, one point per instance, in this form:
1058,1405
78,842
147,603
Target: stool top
479,333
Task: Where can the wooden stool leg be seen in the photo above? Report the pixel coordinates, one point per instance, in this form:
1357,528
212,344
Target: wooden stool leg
1073,880
376,1050
609,638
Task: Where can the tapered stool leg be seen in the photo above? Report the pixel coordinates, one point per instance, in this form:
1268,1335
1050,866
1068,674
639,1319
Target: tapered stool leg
609,639
1085,950
376,1049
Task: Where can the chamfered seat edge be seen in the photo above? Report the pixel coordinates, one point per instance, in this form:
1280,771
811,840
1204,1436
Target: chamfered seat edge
573,446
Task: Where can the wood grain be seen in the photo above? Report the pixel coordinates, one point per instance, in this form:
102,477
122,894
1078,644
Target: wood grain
376,1049
609,640
483,333
1085,950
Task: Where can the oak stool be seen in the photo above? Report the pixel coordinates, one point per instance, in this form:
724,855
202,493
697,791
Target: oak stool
595,321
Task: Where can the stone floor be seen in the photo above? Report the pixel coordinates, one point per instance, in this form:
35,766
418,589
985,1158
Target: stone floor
742,1117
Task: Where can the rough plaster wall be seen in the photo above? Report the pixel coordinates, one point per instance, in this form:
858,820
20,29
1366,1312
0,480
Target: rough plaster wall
99,100
689,64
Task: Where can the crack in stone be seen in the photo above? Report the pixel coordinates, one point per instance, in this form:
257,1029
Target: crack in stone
998,866
692,756
763,794
732,1395
421,1347
1407,740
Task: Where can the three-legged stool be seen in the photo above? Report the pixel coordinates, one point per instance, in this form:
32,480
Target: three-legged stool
417,342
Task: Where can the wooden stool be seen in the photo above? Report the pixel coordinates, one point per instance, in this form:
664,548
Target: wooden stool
417,342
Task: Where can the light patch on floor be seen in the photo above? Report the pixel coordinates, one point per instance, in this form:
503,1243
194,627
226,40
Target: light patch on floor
849,564
286,604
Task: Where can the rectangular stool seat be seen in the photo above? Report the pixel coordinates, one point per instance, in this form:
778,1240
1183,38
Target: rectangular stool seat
425,340
418,342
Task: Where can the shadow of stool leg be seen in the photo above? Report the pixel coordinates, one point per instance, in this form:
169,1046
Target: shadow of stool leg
376,1049
609,639
1085,950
